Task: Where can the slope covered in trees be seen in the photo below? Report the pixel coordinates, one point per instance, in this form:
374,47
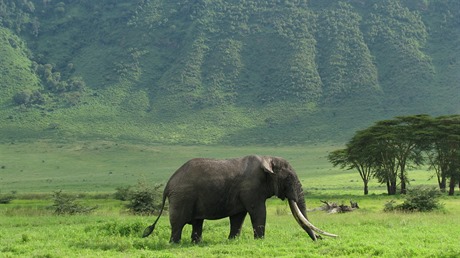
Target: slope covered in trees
223,72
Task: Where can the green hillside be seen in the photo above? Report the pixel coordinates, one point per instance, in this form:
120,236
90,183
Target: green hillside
219,72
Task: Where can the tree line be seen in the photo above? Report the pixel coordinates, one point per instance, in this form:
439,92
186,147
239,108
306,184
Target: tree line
389,148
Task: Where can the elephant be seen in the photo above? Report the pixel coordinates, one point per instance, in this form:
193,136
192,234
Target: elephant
217,188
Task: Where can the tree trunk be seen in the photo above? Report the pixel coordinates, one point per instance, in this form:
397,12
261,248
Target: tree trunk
366,188
452,186
442,184
392,188
388,187
403,187
402,178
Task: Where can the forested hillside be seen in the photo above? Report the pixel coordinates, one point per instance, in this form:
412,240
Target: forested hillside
232,72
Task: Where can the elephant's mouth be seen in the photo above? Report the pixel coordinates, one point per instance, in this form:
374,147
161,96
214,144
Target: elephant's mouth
305,224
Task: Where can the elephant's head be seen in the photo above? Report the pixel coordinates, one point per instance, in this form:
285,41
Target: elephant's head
286,184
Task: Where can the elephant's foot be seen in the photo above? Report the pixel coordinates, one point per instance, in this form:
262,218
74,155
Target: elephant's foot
196,239
259,232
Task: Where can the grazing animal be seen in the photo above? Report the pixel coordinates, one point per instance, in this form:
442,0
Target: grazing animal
218,188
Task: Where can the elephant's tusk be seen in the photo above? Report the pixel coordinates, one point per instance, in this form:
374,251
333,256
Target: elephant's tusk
302,225
303,221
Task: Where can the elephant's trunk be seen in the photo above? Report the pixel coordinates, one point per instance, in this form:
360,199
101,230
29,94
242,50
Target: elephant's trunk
305,224
301,202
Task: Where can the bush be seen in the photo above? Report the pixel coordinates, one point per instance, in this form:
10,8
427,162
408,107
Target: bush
65,204
6,198
418,199
22,97
28,97
144,199
390,206
122,193
76,83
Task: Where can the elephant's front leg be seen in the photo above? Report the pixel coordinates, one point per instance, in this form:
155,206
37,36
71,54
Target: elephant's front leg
258,219
236,222
197,230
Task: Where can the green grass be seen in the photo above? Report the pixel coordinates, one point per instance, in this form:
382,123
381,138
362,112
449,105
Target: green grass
101,166
108,233
93,170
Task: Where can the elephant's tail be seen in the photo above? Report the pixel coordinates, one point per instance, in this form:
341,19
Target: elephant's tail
150,228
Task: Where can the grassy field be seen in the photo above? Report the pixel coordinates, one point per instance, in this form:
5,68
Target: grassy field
102,166
28,227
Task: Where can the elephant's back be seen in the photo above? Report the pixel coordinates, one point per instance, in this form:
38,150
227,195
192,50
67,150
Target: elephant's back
205,176
198,169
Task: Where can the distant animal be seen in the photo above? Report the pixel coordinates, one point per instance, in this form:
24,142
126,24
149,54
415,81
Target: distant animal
218,188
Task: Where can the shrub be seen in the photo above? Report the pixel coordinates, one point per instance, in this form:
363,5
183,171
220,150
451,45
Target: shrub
22,97
72,98
65,204
28,97
390,206
144,199
418,199
122,193
6,198
76,83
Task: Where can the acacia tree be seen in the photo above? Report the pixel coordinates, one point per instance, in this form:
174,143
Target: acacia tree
354,157
398,144
383,140
371,152
444,152
386,169
385,151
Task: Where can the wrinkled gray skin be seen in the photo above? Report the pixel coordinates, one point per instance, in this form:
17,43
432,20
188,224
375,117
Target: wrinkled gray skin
214,189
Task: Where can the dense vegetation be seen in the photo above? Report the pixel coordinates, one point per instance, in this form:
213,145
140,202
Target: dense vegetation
223,72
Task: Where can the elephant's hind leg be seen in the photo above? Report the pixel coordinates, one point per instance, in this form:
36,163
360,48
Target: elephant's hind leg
180,213
177,220
176,232
236,222
197,230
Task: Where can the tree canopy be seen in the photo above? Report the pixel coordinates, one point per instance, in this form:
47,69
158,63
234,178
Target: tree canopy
387,149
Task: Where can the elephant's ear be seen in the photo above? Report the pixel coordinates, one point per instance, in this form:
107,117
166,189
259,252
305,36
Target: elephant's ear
267,165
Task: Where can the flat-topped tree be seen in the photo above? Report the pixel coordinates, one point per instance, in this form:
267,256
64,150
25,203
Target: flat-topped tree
354,156
385,150
444,152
